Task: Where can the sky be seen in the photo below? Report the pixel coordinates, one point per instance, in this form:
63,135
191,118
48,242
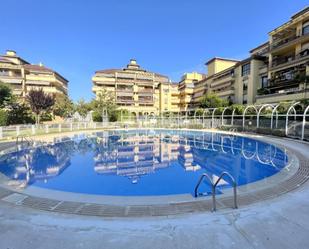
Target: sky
171,37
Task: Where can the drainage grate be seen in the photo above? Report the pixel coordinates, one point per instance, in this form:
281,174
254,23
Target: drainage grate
40,203
15,198
91,209
68,207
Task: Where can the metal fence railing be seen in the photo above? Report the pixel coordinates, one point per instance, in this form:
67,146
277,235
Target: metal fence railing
292,124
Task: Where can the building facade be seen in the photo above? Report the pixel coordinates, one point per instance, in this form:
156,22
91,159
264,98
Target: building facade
22,76
137,90
288,61
275,71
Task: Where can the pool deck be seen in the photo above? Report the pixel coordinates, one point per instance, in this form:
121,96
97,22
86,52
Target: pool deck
280,222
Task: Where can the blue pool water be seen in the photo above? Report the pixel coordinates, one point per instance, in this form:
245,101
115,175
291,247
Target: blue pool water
142,162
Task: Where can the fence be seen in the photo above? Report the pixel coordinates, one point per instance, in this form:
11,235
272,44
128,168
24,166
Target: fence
294,123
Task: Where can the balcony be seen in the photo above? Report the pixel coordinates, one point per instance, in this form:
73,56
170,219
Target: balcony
124,91
283,62
144,100
124,100
11,79
288,41
145,90
286,95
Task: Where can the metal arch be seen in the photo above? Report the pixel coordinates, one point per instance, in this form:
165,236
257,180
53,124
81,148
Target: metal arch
233,113
259,113
272,115
222,115
212,117
244,114
287,116
203,116
195,114
206,110
304,123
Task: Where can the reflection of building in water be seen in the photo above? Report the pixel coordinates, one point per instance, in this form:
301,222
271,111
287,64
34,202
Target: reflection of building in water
186,159
139,155
36,164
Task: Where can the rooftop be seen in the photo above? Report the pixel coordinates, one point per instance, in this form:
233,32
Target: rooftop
221,59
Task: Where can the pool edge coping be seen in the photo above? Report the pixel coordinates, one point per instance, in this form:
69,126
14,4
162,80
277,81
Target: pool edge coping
173,207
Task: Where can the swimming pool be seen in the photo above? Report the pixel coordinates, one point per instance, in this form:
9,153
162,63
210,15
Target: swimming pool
142,162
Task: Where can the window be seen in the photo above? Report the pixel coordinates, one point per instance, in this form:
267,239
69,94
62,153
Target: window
264,81
306,28
245,69
4,72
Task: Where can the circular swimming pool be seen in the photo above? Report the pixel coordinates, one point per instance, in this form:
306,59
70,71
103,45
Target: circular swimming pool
142,162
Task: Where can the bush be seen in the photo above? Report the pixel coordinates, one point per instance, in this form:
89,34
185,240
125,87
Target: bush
19,114
3,118
96,116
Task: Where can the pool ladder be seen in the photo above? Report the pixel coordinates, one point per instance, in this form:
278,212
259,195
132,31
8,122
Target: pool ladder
213,187
22,139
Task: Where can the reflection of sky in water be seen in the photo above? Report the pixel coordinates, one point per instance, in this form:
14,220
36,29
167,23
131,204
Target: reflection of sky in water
142,162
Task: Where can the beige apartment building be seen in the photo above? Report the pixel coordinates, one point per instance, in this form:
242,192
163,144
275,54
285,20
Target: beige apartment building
22,76
275,71
186,88
138,90
288,61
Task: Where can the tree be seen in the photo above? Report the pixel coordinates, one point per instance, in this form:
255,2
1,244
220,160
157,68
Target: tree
82,107
211,100
5,94
19,113
104,101
63,107
40,102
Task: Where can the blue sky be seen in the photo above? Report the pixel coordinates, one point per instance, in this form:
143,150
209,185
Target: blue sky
171,37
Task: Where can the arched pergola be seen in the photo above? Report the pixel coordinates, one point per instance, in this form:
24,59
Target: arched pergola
292,107
244,114
260,111
213,117
204,112
222,115
304,123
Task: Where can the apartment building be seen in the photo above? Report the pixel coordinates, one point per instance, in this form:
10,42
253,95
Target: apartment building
22,76
137,90
229,79
186,90
288,63
275,71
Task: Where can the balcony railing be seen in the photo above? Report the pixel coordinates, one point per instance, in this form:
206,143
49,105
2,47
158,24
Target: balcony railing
290,60
284,41
287,40
149,90
281,93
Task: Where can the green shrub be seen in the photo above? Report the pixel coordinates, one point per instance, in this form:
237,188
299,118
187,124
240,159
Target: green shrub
19,114
96,116
3,118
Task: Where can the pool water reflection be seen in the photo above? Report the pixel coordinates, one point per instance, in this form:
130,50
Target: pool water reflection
141,162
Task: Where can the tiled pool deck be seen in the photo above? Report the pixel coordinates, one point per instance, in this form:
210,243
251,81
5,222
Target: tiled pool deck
272,215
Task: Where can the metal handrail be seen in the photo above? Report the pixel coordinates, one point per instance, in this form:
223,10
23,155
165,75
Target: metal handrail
200,181
22,139
234,189
213,188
